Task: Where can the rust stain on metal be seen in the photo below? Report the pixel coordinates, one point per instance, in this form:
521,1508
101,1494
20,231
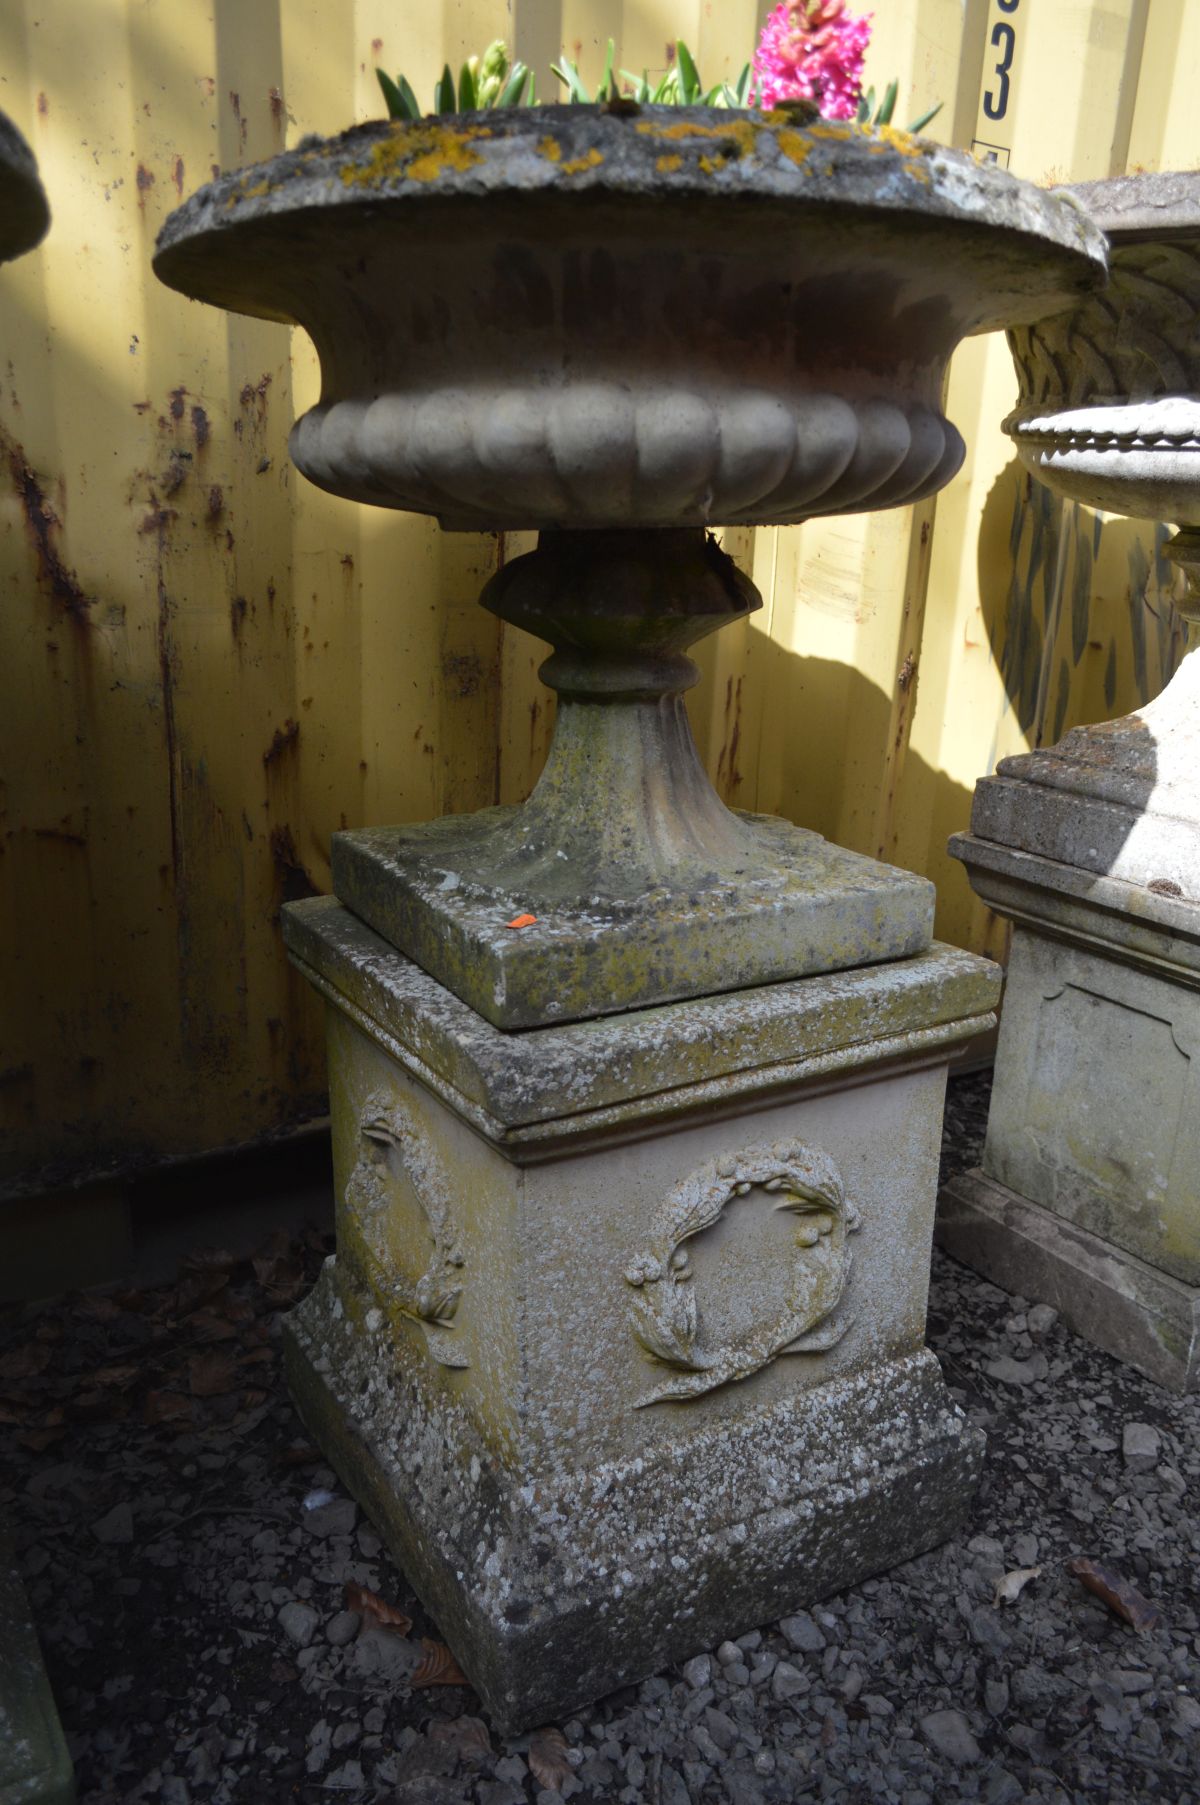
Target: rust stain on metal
177,176
145,180
43,105
293,883
200,427
177,402
278,110
235,101
282,740
728,774
463,672
216,504
906,673
43,524
237,616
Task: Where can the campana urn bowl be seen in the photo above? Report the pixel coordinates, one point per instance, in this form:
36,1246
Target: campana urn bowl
1109,409
635,317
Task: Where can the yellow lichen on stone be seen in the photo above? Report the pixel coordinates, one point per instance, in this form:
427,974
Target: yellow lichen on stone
420,153
550,149
669,164
589,160
795,146
244,192
739,132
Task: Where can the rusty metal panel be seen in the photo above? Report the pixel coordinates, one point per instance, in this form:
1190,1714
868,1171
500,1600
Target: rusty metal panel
209,666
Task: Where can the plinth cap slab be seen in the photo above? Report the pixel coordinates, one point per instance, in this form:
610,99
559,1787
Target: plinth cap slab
24,214
533,1090
647,317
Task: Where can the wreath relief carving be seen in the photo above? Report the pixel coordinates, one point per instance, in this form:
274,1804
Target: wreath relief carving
392,1148
666,1316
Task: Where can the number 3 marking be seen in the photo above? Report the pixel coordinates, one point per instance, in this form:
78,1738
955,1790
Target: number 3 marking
1004,38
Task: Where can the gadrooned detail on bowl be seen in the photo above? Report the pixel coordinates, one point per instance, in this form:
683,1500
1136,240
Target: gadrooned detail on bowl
1109,409
573,317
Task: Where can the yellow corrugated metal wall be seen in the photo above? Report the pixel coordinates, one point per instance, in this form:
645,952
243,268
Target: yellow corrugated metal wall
208,665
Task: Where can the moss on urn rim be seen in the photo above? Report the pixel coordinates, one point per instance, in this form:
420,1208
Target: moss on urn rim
648,152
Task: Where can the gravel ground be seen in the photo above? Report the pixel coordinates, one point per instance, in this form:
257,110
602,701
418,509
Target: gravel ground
193,1569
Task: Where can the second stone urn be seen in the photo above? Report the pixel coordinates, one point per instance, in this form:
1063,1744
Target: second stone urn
1089,1193
636,1099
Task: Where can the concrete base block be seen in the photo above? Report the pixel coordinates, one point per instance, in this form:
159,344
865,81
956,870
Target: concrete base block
1131,1309
552,1593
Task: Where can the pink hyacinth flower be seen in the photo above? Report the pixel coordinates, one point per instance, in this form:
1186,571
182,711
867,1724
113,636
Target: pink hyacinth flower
812,50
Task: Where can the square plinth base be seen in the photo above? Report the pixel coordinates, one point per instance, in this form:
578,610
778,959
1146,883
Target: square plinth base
623,1344
803,906
601,1578
1143,1316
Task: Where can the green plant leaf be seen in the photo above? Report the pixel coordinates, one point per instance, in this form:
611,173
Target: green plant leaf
888,104
743,86
919,125
689,76
667,91
514,87
401,101
608,87
443,93
568,74
467,98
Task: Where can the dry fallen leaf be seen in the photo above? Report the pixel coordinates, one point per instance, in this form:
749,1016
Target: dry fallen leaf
209,1326
114,1375
1010,1588
212,1374
166,1407
257,1356
1117,1593
373,1609
300,1455
548,1759
210,1259
468,1735
25,1362
438,1667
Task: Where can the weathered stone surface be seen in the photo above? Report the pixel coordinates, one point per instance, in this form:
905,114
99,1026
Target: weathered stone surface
551,1084
35,1768
1131,1309
696,1282
634,882
606,352
1093,1108
574,1586
803,906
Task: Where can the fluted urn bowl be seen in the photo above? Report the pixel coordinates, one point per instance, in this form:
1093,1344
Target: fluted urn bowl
24,214
571,316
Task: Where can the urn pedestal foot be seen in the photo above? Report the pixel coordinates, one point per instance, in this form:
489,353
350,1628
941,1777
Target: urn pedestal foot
637,884
1089,1193
622,1347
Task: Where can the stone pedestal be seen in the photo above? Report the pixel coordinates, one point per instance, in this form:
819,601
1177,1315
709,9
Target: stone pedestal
1088,1197
627,1316
1089,1193
636,1099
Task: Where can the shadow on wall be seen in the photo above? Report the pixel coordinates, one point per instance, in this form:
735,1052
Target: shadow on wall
1077,607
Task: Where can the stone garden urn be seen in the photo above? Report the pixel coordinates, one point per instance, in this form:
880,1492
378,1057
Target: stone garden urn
1089,1194
34,1763
636,1098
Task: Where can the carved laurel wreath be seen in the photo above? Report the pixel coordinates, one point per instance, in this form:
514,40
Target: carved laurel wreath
389,1141
666,1319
